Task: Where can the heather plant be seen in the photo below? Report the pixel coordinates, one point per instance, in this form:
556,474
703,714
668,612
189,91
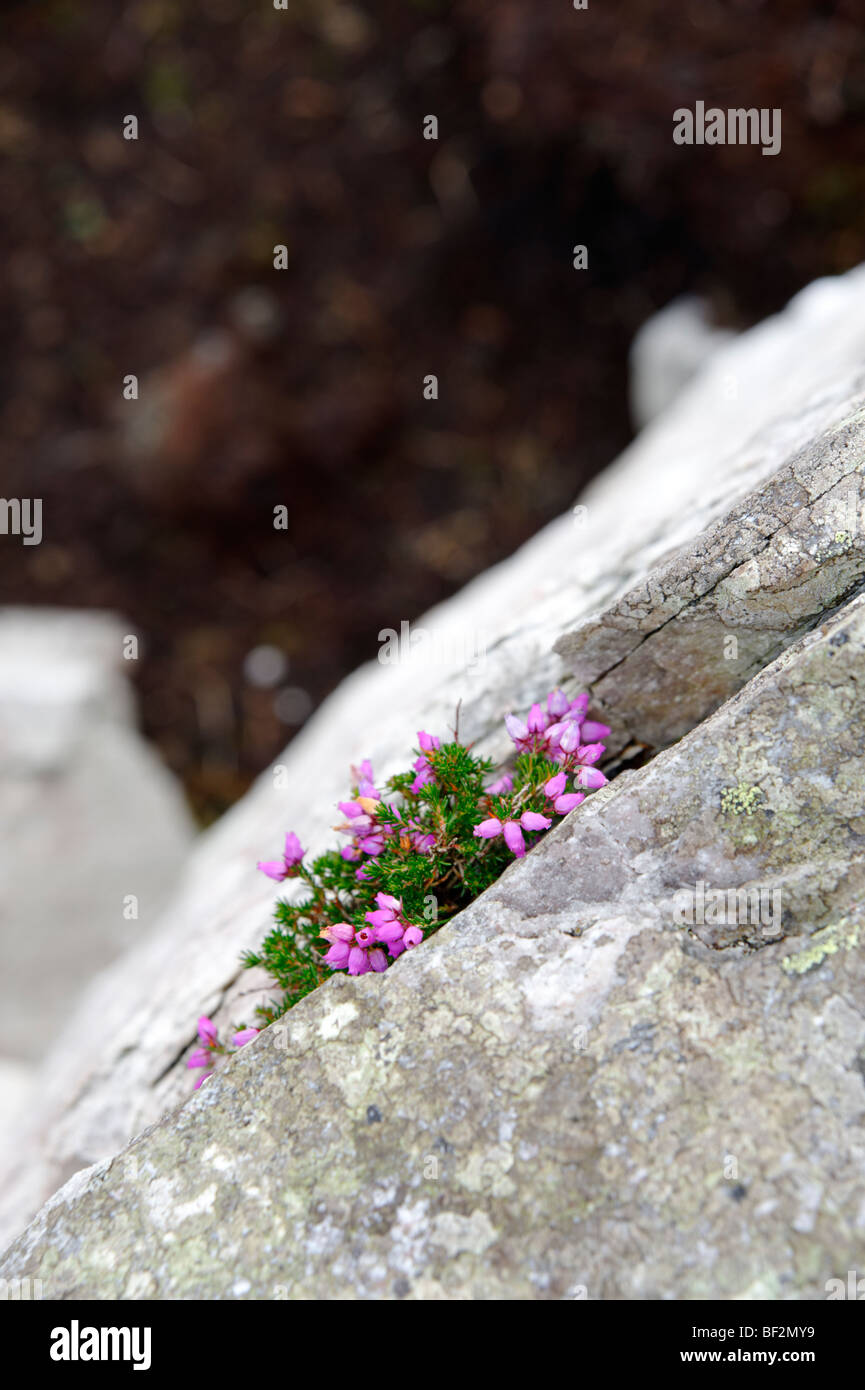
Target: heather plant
415,853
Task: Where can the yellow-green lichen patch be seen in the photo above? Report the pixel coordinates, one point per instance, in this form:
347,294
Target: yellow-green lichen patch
841,935
741,800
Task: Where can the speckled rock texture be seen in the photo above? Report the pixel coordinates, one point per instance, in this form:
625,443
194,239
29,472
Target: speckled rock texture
567,1092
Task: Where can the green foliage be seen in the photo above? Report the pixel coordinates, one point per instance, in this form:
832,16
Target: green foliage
433,882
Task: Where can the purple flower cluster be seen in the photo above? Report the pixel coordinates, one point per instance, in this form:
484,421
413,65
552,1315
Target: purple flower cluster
516,804
561,734
359,949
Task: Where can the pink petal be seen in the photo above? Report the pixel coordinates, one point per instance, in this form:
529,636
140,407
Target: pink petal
488,829
564,804
537,720
556,785
532,820
570,739
516,728
339,931
381,917
207,1030
201,1057
245,1036
293,849
357,961
591,778
590,752
390,931
337,956
592,729
558,703
274,868
413,936
378,959
514,839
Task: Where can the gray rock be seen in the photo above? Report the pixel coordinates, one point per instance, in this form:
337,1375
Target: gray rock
575,1095
667,352
89,818
710,526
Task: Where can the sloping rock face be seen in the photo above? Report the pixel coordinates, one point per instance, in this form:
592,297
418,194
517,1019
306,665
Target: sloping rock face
568,1092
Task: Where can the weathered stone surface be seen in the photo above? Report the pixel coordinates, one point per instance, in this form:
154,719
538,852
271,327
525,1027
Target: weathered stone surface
713,516
89,817
565,1090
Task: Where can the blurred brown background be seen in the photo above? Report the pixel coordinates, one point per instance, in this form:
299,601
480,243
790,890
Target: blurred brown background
303,387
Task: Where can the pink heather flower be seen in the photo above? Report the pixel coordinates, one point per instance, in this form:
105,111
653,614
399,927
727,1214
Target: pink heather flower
363,779
503,785
353,948
589,753
363,826
519,732
558,703
556,785
280,869
591,778
201,1080
389,925
488,829
428,743
537,720
563,804
569,741
512,830
373,845
245,1036
591,730
358,964
424,774
203,1056
514,838
579,707
413,937
339,931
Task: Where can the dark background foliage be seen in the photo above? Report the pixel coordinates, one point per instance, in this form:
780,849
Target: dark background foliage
406,257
